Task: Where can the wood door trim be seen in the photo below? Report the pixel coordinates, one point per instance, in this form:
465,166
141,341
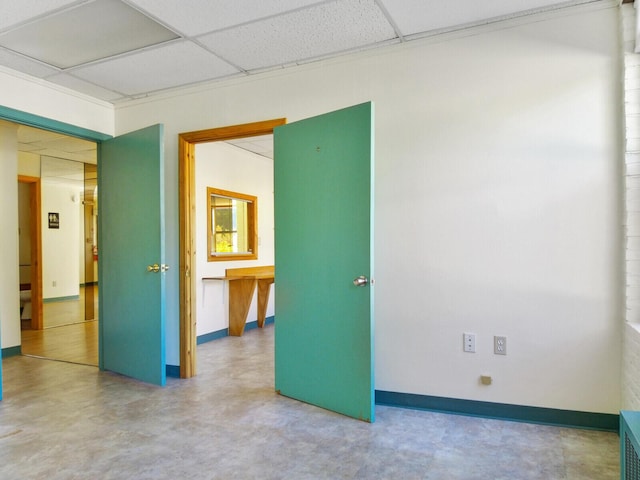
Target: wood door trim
186,205
35,203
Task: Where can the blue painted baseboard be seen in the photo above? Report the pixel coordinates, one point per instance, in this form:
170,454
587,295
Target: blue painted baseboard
11,351
502,411
173,371
208,337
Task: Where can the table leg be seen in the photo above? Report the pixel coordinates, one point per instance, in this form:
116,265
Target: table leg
264,286
240,295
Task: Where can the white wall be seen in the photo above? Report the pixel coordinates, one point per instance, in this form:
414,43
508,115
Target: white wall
30,95
60,269
223,166
498,156
9,279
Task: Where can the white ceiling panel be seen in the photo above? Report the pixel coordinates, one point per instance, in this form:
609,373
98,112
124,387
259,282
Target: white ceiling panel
70,144
24,65
28,134
44,142
82,157
54,169
419,16
179,63
328,28
260,145
102,48
85,87
25,10
74,37
195,17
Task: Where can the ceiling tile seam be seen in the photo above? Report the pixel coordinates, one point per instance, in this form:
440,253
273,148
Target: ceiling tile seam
390,19
149,15
197,42
262,19
337,53
186,85
49,79
257,71
31,59
230,27
182,35
37,18
502,21
121,55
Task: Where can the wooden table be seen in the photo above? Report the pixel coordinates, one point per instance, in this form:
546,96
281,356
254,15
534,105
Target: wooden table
242,285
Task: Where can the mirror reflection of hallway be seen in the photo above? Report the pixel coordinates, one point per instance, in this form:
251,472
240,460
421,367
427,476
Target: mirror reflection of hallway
68,210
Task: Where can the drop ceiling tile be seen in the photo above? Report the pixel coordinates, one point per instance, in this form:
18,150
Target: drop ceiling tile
74,37
28,147
22,64
82,157
70,144
172,65
332,27
54,166
82,86
28,134
417,16
260,145
196,17
14,13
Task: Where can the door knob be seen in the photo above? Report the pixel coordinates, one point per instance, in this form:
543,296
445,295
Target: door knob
360,281
164,268
155,268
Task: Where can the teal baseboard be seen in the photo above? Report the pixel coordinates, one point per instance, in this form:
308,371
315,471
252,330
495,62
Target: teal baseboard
60,299
11,351
502,411
173,371
208,337
254,324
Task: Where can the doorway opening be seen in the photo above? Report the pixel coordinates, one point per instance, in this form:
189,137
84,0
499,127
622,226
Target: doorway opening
187,206
58,246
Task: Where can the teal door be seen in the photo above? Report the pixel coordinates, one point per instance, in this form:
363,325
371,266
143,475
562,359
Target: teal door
131,239
323,224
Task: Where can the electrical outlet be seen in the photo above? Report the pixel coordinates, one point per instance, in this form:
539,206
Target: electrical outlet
500,345
469,340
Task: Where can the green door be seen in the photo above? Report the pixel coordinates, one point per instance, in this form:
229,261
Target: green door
323,224
131,238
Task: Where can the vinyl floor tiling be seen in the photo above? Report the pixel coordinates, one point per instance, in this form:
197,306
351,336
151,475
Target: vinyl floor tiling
62,421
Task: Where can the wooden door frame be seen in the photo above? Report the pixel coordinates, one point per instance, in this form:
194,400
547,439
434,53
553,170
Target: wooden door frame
35,224
186,205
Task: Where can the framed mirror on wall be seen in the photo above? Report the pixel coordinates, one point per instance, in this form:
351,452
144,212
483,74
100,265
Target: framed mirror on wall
232,222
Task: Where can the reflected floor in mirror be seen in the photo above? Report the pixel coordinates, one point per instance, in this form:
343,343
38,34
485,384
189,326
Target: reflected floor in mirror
66,312
75,343
67,336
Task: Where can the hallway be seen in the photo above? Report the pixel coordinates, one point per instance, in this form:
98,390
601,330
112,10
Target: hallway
60,421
